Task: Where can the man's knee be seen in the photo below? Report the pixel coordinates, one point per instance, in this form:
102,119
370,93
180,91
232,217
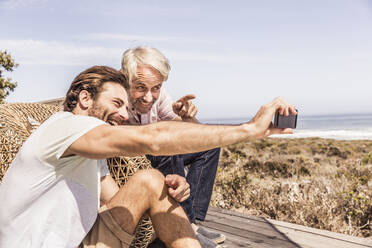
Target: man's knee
150,180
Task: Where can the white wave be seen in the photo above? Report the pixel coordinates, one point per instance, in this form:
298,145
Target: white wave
346,134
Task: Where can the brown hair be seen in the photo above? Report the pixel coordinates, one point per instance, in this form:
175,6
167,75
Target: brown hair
92,80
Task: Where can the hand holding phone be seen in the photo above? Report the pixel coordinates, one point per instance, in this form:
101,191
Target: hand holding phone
282,121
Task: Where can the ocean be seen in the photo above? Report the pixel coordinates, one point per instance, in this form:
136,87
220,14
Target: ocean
340,127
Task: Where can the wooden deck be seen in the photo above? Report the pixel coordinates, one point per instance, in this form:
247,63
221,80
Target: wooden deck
256,232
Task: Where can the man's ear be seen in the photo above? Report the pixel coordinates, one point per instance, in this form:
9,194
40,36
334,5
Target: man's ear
85,99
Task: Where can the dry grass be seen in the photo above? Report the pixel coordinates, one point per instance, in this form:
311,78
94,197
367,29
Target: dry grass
315,182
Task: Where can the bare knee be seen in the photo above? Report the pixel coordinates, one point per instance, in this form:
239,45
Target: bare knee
150,180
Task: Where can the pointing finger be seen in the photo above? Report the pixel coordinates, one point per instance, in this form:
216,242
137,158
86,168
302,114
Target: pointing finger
186,98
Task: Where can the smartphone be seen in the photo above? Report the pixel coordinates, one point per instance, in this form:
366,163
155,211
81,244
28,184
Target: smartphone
282,121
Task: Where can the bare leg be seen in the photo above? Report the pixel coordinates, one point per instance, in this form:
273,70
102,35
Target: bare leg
146,192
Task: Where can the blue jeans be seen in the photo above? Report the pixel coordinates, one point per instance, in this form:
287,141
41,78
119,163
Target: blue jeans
200,176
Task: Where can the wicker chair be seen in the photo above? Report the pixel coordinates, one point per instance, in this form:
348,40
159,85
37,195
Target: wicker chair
18,120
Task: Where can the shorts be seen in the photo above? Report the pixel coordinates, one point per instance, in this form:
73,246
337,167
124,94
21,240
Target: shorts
106,233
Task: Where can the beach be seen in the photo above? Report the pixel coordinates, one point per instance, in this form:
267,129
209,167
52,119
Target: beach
316,182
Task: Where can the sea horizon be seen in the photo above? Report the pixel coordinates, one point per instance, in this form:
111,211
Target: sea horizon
356,126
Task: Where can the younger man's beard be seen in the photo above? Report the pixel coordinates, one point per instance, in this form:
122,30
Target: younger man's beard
102,114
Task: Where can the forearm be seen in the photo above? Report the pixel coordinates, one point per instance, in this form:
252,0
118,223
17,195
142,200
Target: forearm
169,138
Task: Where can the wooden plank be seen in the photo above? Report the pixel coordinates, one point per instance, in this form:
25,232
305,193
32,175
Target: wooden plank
295,230
255,225
250,231
253,233
320,238
253,237
332,235
233,241
295,233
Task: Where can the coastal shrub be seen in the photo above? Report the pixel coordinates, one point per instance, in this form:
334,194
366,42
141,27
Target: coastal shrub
334,151
304,171
328,190
277,169
294,151
358,210
367,159
261,144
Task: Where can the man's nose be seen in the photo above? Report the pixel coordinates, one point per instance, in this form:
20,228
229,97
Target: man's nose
123,112
148,97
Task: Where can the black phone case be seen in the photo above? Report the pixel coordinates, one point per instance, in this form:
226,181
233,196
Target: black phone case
282,121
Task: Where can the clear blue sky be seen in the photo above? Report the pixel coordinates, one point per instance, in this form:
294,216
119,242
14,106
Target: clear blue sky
233,55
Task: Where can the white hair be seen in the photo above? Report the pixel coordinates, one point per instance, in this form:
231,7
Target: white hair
144,56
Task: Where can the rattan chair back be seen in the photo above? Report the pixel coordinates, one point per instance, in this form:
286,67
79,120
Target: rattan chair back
17,121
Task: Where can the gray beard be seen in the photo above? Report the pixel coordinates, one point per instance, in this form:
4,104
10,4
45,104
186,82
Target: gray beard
139,101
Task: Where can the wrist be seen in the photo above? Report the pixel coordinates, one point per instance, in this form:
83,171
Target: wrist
251,130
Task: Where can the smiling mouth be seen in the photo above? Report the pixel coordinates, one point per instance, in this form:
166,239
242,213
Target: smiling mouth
112,123
146,104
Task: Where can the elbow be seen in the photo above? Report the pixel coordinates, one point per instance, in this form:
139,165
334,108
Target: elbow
152,142
146,144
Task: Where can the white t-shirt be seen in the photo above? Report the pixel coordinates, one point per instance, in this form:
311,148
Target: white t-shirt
46,200
161,110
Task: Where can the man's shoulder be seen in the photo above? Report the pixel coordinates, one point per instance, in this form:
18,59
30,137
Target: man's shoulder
65,115
60,116
65,123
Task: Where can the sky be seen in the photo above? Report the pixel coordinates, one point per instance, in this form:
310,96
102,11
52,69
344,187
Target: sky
233,55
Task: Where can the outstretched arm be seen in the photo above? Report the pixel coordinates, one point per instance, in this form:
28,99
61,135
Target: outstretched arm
169,138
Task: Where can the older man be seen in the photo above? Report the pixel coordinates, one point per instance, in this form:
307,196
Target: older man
147,69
